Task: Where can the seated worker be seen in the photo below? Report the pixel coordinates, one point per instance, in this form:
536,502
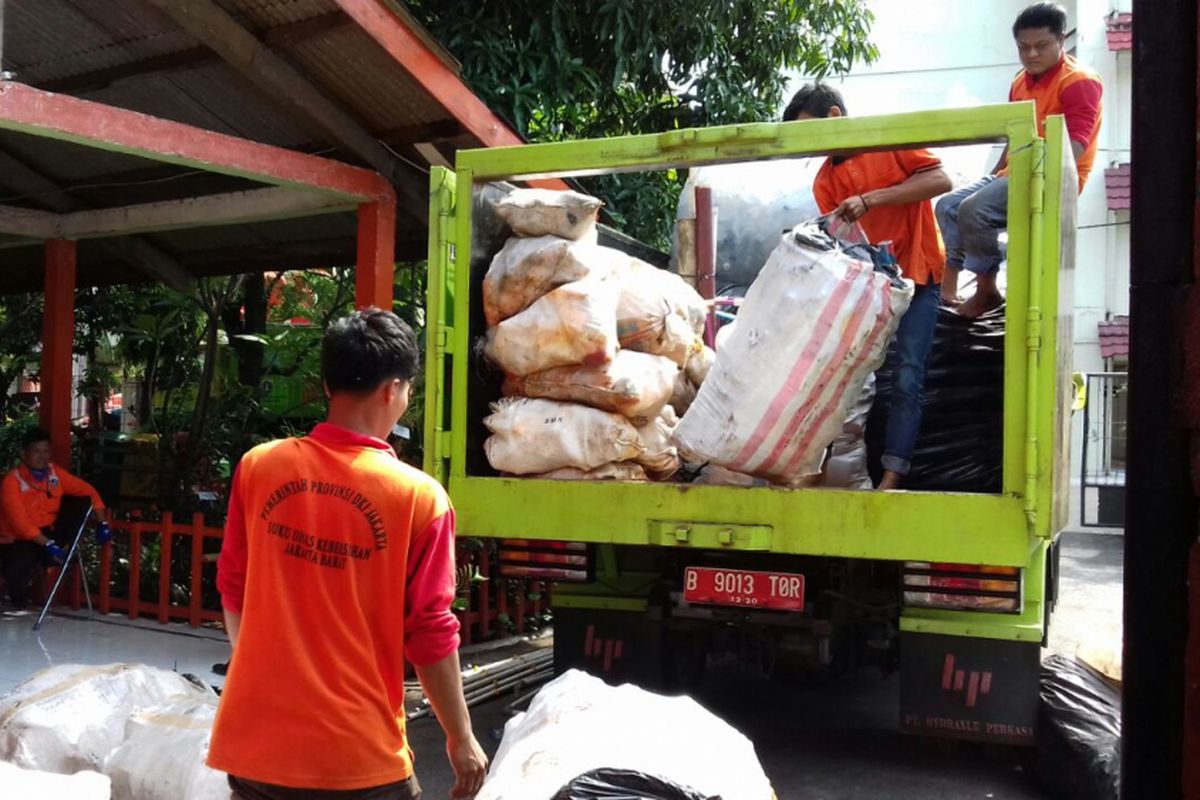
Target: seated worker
888,194
972,217
30,498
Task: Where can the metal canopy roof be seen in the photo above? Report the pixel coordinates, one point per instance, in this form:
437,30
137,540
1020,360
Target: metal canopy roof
354,80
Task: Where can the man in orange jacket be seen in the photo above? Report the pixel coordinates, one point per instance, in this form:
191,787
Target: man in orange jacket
336,568
30,499
972,217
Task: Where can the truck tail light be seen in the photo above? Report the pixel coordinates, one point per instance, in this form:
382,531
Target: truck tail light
546,561
964,587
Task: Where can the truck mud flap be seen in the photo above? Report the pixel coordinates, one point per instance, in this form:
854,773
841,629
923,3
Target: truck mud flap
615,646
966,688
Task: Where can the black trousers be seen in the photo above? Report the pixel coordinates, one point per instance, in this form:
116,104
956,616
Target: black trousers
22,559
252,790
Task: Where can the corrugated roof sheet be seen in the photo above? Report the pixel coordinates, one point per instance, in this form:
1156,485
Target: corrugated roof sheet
1118,185
1120,32
1114,337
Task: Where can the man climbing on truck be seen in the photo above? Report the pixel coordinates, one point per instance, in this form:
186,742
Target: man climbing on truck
888,194
337,566
972,217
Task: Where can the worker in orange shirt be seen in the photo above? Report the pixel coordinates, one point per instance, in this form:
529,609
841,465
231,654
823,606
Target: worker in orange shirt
972,217
336,567
888,194
30,500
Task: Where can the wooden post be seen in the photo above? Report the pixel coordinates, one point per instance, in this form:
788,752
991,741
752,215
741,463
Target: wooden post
58,333
164,569
104,601
197,592
135,568
376,267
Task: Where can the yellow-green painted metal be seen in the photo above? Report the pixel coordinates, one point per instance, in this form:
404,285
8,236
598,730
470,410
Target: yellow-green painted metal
439,311
978,529
1027,626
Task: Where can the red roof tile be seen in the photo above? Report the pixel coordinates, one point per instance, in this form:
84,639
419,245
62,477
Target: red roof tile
1114,337
1118,182
1120,32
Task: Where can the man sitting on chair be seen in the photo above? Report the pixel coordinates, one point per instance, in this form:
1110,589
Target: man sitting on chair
31,497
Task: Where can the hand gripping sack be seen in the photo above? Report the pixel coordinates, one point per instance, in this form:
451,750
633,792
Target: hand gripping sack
526,269
531,436
548,212
635,385
574,324
813,325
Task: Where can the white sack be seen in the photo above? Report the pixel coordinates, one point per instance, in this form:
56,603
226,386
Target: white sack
547,212
20,783
531,436
812,327
699,363
70,717
526,269
576,724
658,312
660,456
846,467
683,394
163,755
574,324
622,471
635,385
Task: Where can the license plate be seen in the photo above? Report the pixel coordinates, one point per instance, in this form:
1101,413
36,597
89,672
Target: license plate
776,591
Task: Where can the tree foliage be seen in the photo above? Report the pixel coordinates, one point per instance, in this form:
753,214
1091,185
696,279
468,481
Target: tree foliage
595,68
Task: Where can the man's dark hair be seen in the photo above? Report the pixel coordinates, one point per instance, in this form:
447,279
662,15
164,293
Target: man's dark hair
1042,15
815,99
362,351
34,436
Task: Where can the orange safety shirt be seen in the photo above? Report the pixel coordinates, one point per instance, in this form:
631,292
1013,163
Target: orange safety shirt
30,504
911,228
340,559
1073,91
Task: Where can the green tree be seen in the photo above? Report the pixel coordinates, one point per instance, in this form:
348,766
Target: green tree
595,68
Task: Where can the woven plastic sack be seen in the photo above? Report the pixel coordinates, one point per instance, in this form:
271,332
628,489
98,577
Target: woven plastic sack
699,363
683,394
574,324
660,456
71,717
547,212
164,752
577,724
847,465
658,312
622,471
531,436
635,385
30,783
813,325
526,269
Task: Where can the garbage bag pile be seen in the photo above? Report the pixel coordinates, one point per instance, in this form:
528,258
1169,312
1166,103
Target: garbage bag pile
961,444
813,326
1079,731
584,740
146,730
599,349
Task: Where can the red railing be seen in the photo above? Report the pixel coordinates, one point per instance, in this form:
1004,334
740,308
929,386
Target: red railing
489,601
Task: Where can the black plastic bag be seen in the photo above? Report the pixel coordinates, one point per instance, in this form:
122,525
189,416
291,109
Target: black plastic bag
960,447
1079,732
625,784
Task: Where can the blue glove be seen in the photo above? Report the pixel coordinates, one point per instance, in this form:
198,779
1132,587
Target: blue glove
56,552
103,534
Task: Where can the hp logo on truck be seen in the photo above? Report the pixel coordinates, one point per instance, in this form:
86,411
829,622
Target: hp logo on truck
958,681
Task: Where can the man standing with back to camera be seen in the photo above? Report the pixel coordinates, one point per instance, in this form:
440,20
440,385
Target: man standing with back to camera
337,565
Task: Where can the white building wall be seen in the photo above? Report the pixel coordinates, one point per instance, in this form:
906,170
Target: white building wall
951,53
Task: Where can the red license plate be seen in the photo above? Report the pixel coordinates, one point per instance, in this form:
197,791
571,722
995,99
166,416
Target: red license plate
777,591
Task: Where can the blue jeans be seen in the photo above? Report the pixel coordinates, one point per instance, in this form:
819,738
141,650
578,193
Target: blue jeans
971,220
914,340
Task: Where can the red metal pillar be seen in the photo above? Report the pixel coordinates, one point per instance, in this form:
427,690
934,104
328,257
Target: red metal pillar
376,268
58,332
706,257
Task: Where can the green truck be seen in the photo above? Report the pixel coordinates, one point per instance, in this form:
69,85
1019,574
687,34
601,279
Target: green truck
811,574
